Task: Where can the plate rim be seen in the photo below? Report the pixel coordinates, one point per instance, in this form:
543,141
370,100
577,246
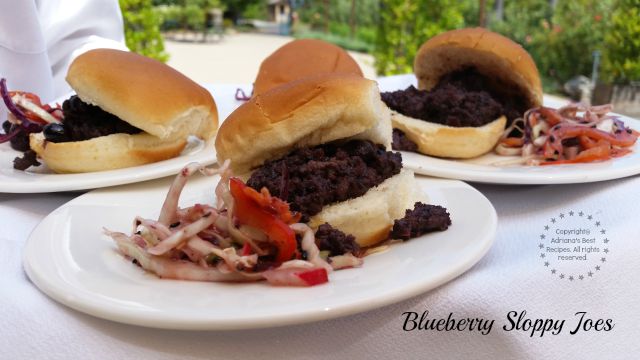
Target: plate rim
103,179
55,291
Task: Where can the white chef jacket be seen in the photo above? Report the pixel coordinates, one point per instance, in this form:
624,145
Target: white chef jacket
40,38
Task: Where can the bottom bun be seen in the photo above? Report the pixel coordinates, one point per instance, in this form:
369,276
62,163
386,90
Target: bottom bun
369,218
108,152
448,141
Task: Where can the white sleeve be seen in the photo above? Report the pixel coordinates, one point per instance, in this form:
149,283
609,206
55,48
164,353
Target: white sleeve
71,27
23,51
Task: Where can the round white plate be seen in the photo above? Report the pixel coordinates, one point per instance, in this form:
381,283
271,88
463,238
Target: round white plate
41,179
69,259
491,168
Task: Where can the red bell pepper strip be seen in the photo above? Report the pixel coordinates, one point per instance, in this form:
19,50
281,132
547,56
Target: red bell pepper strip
273,204
246,249
551,116
598,153
623,139
249,212
315,276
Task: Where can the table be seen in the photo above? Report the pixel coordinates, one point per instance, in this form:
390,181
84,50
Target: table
510,277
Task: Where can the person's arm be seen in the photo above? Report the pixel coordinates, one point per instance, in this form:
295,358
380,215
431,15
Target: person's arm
71,27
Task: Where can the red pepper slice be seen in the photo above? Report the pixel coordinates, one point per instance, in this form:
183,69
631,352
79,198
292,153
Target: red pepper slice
314,277
550,115
249,212
246,249
597,153
30,96
273,205
623,139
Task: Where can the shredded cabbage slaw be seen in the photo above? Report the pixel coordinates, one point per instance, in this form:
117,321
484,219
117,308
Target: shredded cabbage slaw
216,242
572,134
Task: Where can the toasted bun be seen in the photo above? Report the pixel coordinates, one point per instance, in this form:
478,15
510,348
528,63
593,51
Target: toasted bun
307,112
369,218
301,58
448,141
109,152
143,92
493,55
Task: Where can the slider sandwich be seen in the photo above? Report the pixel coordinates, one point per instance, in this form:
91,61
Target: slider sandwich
129,110
471,84
322,144
301,58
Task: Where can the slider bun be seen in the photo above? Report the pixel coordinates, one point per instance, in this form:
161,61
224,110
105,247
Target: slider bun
448,141
307,112
105,152
301,58
143,92
370,217
493,55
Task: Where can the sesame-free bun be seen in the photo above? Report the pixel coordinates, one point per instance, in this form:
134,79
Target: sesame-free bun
493,55
314,111
306,112
448,141
144,92
370,217
166,105
504,63
109,152
301,58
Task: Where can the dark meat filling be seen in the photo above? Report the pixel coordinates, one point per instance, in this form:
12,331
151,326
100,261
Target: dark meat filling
462,98
335,241
310,178
513,103
445,104
84,121
421,220
28,159
21,141
402,143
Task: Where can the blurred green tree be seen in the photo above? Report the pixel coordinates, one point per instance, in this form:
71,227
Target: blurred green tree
236,8
185,14
561,35
404,25
142,29
622,43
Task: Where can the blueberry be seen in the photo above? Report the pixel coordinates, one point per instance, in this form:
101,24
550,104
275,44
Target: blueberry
55,132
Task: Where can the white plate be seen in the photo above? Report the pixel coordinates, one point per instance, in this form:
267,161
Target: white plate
70,260
490,168
40,179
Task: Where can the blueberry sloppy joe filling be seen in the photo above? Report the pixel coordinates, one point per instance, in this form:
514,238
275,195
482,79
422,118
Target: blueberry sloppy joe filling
312,177
464,98
83,121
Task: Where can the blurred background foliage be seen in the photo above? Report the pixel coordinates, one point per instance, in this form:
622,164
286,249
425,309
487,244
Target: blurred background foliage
561,35
142,29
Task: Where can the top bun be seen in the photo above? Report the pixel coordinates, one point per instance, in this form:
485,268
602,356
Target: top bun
301,58
307,112
491,54
144,92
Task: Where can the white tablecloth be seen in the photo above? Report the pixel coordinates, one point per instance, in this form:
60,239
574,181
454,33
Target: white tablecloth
511,277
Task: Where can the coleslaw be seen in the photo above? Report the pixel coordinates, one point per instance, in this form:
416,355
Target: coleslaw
572,134
246,236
